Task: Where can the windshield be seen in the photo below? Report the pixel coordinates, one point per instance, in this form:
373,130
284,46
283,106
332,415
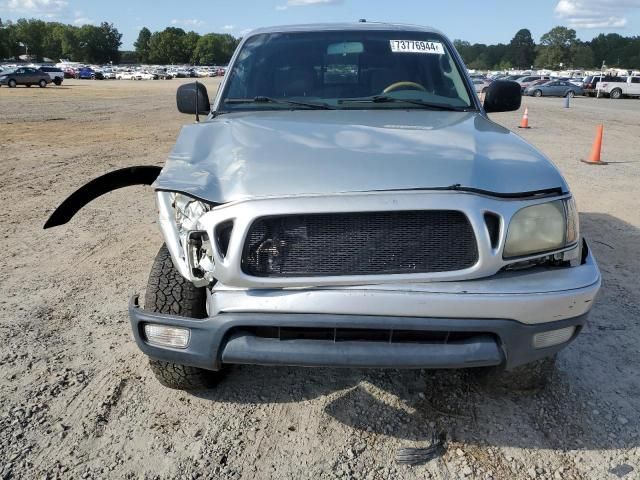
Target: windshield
346,70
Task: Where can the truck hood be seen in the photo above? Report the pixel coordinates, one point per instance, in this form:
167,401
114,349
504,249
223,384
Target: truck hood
281,153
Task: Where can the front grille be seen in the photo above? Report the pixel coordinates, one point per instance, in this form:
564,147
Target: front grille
363,243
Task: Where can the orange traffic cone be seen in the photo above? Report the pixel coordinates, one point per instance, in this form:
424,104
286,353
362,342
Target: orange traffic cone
524,123
594,158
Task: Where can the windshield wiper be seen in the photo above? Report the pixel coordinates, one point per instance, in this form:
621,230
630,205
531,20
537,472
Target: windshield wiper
260,99
387,99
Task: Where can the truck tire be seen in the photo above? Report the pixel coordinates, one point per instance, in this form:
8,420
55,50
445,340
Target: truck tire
169,292
616,93
532,376
57,81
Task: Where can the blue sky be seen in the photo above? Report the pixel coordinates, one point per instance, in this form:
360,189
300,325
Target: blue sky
473,20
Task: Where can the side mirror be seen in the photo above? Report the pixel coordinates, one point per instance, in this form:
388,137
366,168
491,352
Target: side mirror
192,98
502,96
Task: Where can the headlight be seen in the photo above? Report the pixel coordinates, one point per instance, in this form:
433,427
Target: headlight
195,241
542,228
188,211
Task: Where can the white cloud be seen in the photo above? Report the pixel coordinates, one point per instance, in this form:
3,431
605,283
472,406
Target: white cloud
595,13
84,21
47,8
189,22
229,27
307,3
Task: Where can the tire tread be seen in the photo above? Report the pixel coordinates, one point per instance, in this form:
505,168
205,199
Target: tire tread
169,292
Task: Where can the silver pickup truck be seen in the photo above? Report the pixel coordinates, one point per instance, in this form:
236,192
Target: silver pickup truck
345,201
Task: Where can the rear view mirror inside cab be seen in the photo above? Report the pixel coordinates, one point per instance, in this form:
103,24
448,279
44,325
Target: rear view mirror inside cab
345,48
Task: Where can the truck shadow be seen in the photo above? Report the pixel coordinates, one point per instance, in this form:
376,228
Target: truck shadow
592,402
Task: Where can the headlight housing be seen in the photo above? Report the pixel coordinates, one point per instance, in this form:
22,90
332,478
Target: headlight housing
188,211
195,242
541,228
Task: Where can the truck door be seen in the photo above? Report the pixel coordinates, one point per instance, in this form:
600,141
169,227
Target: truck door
633,87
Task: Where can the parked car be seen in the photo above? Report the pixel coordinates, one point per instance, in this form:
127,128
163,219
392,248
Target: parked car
109,74
89,74
577,81
590,83
147,76
70,72
56,74
302,229
162,74
128,75
480,85
26,76
526,82
618,89
554,88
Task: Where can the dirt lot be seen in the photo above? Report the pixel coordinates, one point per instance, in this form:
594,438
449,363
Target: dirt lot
78,401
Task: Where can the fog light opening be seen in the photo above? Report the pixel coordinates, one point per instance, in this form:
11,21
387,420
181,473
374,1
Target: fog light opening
553,337
167,336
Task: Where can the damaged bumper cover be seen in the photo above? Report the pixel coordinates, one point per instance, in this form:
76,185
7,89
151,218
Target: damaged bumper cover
427,329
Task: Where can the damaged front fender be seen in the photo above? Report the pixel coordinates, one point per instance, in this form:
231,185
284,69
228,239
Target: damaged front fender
125,177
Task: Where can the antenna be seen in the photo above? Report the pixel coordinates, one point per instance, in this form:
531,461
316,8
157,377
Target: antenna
197,106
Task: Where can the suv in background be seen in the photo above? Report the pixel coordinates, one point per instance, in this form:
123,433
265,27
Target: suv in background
56,74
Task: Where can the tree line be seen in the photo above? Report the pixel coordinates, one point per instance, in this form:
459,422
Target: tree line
40,39
173,45
101,44
559,48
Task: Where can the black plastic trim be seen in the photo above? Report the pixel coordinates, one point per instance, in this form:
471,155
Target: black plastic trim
125,177
210,337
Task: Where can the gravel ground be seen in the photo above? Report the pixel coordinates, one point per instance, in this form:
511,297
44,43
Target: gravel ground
77,399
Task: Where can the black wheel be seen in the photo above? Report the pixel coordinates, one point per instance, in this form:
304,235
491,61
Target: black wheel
537,93
532,376
570,94
616,93
42,83
169,292
57,81
12,83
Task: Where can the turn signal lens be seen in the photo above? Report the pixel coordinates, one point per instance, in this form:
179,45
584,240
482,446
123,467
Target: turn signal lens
166,336
573,222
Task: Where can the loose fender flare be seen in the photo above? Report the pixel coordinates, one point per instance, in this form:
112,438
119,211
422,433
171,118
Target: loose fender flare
125,177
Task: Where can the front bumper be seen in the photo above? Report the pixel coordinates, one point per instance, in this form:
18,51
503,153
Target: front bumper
473,324
229,338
